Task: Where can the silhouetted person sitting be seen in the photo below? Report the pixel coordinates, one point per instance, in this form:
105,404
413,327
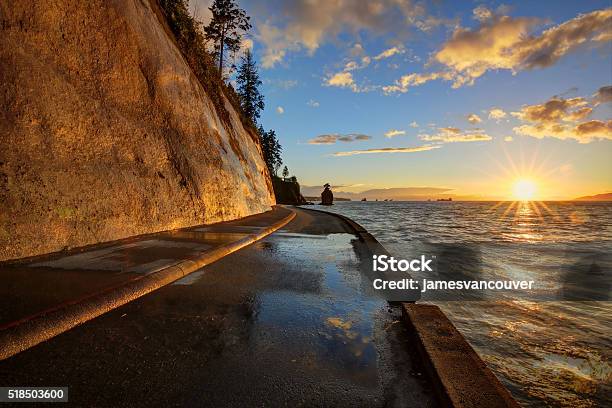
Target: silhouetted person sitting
327,197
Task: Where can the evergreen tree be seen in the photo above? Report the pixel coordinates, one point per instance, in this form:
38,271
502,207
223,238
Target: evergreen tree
271,149
285,172
248,82
226,27
276,151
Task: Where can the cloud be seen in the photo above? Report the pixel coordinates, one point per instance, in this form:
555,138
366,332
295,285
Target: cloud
554,110
313,104
324,139
595,128
563,119
482,13
503,42
388,53
497,114
341,80
453,135
345,79
284,84
388,150
473,118
584,132
414,79
508,139
335,137
280,110
394,132
246,44
353,65
306,24
357,50
603,95
414,124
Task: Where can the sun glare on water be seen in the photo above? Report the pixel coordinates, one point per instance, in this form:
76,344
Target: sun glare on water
524,190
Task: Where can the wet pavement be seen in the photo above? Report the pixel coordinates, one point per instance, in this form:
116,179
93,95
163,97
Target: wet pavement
32,286
285,321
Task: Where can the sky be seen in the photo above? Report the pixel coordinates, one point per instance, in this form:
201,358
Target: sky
434,99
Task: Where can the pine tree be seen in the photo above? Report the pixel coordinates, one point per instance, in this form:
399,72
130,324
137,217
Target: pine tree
275,151
271,149
285,172
248,82
225,29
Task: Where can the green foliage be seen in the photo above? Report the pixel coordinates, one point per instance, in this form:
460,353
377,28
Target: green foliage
226,27
191,41
271,149
285,172
251,100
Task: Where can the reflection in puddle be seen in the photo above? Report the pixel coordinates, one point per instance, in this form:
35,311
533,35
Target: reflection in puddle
335,322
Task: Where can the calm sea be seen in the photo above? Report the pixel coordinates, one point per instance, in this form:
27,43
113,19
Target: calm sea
554,352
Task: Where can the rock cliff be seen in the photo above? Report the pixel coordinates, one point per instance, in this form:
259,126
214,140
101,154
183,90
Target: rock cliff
105,132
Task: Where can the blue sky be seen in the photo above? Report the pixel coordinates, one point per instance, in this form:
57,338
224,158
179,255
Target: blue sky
326,75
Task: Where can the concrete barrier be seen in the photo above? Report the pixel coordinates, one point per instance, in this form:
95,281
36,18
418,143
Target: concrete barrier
44,326
460,377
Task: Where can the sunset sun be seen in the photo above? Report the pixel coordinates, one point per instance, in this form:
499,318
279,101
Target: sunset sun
524,189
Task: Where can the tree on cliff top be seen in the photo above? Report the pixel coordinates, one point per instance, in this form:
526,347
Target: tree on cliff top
271,149
226,28
251,100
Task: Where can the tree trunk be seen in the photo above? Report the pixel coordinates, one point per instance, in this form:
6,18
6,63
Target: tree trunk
221,46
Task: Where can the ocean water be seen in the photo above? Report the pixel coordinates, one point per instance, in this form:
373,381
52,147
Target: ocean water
550,347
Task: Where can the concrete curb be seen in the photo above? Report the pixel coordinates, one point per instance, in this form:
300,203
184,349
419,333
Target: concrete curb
461,379
47,325
363,234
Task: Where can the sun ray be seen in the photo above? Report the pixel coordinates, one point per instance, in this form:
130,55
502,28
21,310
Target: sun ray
536,209
508,209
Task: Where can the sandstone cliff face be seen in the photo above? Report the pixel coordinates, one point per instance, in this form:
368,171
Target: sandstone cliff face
106,133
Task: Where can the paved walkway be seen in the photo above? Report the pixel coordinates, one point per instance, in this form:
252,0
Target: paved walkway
36,285
285,321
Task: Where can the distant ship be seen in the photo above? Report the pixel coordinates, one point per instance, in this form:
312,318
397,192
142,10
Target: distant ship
364,199
445,199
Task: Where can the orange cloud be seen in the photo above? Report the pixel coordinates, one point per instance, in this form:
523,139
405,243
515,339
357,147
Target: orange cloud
388,150
473,118
497,114
341,79
560,118
554,110
388,53
454,135
394,132
502,42
414,79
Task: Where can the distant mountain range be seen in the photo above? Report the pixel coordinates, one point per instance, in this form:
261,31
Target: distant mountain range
398,194
596,197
